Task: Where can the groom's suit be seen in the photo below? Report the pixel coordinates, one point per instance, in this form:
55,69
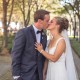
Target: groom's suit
26,61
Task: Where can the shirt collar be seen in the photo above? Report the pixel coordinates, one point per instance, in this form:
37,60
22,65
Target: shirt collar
35,29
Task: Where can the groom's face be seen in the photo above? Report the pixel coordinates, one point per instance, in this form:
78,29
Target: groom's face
45,22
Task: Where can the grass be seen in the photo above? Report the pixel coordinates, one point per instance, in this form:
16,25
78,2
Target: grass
75,45
10,41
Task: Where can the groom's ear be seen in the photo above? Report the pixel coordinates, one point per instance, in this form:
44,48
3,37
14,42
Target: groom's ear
39,21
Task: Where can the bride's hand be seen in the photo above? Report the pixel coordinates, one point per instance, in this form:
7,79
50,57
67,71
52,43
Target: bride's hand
38,46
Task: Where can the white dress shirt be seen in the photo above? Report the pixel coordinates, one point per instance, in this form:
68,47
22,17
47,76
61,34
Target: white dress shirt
37,35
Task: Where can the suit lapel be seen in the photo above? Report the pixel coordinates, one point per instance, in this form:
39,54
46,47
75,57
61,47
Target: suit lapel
34,37
43,41
33,33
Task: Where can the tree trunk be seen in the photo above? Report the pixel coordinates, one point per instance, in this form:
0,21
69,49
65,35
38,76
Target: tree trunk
5,24
28,18
5,21
5,33
74,25
79,29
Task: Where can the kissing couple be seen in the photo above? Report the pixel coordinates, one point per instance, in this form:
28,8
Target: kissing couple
35,58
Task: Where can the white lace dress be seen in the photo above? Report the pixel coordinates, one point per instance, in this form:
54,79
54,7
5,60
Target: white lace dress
56,70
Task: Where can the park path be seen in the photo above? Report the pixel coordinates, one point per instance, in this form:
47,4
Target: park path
5,68
77,63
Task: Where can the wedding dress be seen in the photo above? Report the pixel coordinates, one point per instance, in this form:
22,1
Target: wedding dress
56,70
64,68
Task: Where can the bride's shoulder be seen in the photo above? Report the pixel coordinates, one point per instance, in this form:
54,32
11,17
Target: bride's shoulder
61,38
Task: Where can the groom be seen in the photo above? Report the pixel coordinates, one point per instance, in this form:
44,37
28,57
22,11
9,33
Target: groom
27,62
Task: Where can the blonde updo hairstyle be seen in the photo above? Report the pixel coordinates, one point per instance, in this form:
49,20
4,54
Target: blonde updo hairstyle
63,22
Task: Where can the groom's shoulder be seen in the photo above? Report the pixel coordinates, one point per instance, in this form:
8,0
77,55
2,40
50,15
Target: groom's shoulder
23,31
26,29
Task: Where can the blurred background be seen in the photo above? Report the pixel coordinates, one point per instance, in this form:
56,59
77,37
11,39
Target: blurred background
18,14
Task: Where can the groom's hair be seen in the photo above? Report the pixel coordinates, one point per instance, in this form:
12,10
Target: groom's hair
40,14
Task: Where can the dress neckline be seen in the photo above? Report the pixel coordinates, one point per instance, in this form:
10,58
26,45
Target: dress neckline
55,43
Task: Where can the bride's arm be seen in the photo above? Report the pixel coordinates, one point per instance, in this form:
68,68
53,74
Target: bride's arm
45,69
58,52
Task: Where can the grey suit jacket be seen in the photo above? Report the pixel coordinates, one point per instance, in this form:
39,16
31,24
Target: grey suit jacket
25,59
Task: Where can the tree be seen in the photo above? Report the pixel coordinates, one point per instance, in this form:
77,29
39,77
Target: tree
25,7
76,9
6,20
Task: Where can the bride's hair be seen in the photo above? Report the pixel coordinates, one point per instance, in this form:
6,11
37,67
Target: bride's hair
66,23
63,22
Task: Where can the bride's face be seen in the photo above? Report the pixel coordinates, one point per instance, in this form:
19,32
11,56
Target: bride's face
52,24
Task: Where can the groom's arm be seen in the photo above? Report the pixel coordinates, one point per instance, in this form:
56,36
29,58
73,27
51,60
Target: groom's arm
17,50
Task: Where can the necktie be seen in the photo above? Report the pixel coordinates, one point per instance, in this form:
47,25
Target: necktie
41,35
39,31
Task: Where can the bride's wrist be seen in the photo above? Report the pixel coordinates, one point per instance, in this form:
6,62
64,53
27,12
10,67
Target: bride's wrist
41,50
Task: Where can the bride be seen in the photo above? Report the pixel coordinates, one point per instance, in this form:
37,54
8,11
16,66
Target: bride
59,64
